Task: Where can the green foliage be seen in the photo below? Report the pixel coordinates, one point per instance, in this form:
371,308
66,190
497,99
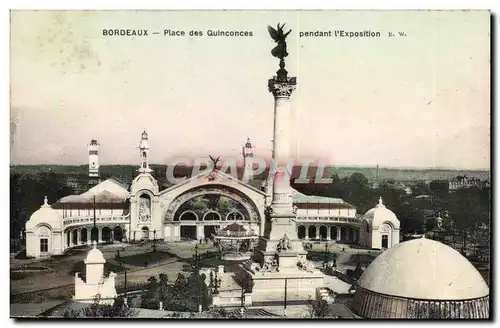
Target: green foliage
420,188
183,295
98,310
223,205
27,193
430,224
439,188
319,308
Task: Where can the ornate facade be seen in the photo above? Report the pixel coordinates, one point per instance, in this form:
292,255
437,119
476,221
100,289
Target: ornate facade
192,209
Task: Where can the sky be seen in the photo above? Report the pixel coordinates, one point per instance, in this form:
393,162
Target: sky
419,100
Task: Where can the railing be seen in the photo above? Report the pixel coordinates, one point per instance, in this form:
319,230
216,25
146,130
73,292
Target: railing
329,218
101,219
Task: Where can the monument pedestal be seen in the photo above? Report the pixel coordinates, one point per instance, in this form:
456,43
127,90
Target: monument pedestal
269,283
279,264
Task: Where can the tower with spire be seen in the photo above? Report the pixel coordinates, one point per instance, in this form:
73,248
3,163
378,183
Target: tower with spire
247,151
93,148
144,153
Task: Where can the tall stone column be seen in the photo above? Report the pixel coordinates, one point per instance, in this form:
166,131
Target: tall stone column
78,236
339,233
282,214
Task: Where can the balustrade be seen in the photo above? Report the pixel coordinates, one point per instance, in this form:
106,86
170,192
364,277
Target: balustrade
86,219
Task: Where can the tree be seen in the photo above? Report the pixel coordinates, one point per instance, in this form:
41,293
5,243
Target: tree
430,224
410,218
150,297
318,309
465,212
163,289
439,188
99,310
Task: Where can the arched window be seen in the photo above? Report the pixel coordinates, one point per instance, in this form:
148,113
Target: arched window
212,216
144,208
188,216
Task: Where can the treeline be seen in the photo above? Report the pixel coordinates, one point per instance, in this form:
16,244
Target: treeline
27,192
463,211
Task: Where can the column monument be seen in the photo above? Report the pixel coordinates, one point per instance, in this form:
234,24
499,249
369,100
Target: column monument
280,259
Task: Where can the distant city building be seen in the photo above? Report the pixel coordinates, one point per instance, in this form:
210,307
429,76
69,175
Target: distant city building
421,279
464,181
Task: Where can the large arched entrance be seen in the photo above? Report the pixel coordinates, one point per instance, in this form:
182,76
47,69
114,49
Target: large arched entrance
106,234
301,232
198,211
333,233
117,233
312,232
94,234
83,236
74,237
323,232
226,202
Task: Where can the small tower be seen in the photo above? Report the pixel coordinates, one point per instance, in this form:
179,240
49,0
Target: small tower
144,153
247,151
93,162
96,284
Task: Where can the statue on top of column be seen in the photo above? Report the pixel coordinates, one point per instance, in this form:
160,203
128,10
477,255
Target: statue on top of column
279,36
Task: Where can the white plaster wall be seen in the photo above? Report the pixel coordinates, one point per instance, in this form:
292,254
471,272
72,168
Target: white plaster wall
376,239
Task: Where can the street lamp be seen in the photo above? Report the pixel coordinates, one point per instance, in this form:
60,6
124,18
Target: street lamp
125,273
154,240
326,255
284,305
243,290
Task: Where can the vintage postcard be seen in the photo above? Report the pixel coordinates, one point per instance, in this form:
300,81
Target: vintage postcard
250,164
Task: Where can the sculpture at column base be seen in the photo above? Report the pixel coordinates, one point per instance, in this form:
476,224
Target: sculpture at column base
280,257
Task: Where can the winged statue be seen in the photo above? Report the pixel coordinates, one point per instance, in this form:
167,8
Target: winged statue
279,36
214,161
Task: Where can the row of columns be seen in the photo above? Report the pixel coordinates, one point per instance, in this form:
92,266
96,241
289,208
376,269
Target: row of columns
350,234
70,240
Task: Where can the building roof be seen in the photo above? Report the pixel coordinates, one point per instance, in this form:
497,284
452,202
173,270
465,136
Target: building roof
299,199
107,194
380,215
45,215
424,269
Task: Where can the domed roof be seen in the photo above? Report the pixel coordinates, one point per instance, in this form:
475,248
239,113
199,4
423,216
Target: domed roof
94,256
380,214
424,269
45,214
144,181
